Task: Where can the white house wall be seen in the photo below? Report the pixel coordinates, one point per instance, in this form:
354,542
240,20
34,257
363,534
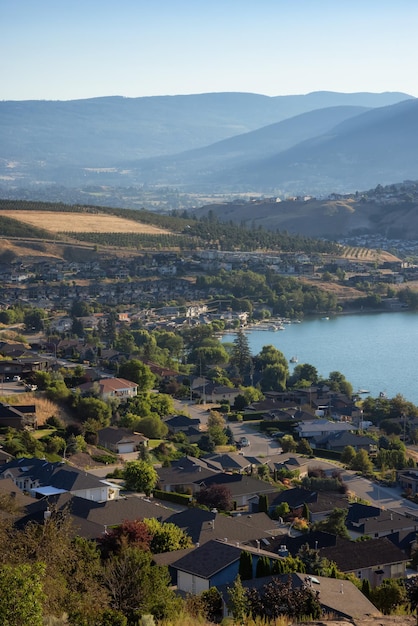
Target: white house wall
190,583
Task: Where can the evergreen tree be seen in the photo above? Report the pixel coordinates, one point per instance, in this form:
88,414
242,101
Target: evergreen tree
263,567
245,565
262,504
237,601
241,356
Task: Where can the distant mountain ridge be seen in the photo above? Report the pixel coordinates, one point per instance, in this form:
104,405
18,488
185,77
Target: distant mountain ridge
133,141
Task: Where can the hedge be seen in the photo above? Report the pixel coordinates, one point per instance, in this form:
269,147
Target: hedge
327,454
170,496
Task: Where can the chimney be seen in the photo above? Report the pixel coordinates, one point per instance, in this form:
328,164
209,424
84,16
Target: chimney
47,515
342,588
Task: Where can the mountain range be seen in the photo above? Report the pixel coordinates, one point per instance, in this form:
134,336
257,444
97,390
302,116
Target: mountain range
317,143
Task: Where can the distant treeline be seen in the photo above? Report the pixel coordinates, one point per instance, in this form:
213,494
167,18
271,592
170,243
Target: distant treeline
207,231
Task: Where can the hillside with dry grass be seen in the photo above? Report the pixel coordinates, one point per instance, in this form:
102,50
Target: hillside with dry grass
63,222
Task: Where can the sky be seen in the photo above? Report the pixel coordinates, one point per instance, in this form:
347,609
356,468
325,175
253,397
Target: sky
77,49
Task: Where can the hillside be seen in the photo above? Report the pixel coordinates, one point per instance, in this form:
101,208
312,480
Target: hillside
104,141
391,212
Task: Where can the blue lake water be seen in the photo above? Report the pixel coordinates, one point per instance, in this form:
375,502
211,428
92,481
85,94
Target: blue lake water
377,352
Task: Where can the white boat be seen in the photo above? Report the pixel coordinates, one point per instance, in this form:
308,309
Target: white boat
363,391
294,359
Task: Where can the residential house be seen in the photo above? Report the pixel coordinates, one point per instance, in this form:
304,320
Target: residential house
111,388
232,462
213,564
216,394
408,480
181,423
242,487
375,522
40,478
20,417
203,526
338,441
319,428
373,560
186,475
121,440
90,519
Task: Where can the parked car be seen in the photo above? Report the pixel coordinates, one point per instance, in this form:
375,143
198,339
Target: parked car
244,442
16,379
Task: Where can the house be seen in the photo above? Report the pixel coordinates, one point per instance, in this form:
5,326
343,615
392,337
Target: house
408,480
340,599
319,428
111,388
121,440
186,475
40,478
90,519
232,462
213,564
241,486
203,526
320,504
338,441
181,423
216,394
20,417
374,522
373,560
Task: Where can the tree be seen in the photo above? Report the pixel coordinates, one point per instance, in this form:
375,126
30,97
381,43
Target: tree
166,537
303,447
362,462
140,476
136,586
34,319
263,567
21,594
262,504
237,601
241,354
245,570
94,408
279,598
134,533
137,372
288,443
348,455
389,595
215,497
152,427
334,523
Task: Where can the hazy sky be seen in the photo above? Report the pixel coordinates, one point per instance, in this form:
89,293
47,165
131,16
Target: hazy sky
69,49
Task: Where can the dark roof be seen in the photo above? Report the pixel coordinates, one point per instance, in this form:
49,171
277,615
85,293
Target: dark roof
294,497
182,421
57,475
114,435
203,526
209,559
317,539
90,518
354,555
240,484
358,511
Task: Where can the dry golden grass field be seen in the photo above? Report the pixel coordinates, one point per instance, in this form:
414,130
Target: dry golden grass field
57,222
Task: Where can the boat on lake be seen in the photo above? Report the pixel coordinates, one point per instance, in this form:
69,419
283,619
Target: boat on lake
293,359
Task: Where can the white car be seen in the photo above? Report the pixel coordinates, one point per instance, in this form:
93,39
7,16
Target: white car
244,442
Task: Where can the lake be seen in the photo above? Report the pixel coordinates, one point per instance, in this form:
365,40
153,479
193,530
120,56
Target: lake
377,352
